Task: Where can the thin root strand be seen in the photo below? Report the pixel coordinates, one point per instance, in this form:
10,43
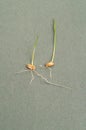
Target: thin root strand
32,77
48,82
21,71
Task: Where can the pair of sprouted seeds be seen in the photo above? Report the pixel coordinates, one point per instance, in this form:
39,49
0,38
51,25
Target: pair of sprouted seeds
48,65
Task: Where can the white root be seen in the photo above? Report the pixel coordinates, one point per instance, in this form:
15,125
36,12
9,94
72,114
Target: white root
32,77
42,77
46,80
21,71
50,73
50,70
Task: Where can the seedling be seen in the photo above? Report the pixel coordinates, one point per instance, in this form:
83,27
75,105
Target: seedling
32,66
51,62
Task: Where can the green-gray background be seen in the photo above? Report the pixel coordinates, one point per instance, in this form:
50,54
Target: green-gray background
40,106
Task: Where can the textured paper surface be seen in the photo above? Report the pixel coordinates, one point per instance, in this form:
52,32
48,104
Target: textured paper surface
40,106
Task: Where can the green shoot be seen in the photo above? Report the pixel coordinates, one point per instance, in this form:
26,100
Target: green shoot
54,48
33,53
